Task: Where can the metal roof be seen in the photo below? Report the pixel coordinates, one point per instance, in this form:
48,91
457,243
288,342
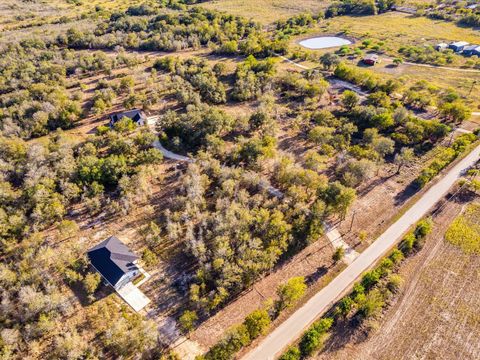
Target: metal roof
134,114
112,259
459,43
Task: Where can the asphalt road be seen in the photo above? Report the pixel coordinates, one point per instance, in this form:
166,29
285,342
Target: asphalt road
291,329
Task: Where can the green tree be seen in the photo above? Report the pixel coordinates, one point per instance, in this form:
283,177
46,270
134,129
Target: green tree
350,99
290,292
329,60
404,157
338,254
257,323
293,353
91,282
187,320
455,111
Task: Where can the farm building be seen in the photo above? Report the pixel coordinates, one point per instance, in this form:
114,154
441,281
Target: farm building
441,47
471,50
136,115
371,59
458,46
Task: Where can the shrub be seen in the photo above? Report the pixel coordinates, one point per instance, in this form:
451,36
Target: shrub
338,254
424,227
370,279
311,341
345,306
396,256
91,282
407,243
372,305
257,323
187,320
293,353
291,291
394,283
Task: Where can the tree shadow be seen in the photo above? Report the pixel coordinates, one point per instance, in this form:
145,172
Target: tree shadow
345,332
376,182
316,275
410,190
102,292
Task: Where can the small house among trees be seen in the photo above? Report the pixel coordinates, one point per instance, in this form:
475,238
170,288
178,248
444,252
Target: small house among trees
137,116
114,261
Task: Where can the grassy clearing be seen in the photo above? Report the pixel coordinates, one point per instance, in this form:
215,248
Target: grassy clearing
400,29
460,81
266,11
464,231
392,30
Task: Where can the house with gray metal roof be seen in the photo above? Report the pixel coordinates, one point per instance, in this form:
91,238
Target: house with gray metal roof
458,46
471,50
137,116
114,261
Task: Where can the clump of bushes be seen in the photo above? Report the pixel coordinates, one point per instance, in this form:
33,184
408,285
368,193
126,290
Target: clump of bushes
444,158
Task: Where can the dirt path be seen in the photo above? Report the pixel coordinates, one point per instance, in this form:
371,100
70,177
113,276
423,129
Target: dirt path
389,60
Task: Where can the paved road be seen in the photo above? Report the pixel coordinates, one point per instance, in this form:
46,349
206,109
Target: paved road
292,328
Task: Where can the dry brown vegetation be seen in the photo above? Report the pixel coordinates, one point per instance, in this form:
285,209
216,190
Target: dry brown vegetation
436,314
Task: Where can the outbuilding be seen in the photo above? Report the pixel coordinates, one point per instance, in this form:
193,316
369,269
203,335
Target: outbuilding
441,47
458,46
471,50
371,59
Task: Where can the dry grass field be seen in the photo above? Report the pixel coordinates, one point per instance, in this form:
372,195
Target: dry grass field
400,29
266,11
436,315
393,30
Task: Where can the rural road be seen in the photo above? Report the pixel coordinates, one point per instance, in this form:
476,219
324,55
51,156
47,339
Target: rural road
168,154
390,60
292,328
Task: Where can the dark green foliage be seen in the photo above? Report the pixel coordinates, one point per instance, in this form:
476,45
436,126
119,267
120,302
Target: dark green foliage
351,7
370,279
312,339
251,76
257,323
293,353
193,126
164,32
199,74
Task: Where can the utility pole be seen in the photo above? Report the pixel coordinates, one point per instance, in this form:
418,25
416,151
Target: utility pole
473,85
353,218
451,137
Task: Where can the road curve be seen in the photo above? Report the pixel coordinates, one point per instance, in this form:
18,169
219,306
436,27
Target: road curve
292,328
168,154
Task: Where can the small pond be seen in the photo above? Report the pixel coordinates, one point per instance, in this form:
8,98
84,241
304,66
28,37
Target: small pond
323,42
